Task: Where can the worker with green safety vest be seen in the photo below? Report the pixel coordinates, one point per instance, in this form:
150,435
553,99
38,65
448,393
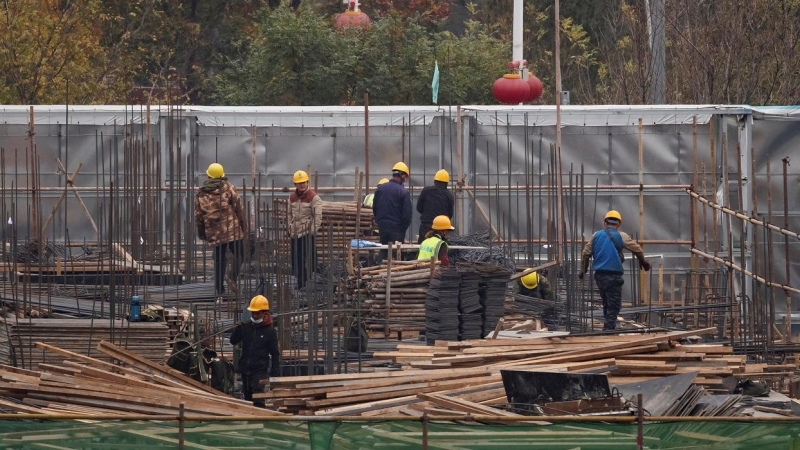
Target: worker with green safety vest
435,243
371,196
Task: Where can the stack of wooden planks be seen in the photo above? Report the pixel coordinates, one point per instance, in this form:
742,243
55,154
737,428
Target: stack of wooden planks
84,385
381,392
404,284
461,377
149,339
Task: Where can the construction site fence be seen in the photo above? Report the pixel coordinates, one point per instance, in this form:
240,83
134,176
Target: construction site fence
22,431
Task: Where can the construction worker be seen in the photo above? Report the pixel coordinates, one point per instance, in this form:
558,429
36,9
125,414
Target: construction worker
535,285
220,221
605,248
369,199
304,219
392,207
261,355
434,201
435,243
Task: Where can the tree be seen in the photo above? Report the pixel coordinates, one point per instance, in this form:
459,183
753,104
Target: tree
49,46
291,61
297,59
731,51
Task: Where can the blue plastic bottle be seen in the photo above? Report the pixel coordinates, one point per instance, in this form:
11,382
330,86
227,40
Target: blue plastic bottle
136,309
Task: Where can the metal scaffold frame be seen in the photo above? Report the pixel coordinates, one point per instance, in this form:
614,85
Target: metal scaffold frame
97,207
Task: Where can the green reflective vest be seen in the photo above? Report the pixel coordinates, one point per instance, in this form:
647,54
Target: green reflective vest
368,200
430,248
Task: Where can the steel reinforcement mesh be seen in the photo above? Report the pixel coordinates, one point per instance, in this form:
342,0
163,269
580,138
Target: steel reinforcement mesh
25,434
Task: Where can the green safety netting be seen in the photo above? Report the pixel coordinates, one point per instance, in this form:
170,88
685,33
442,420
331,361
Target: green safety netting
24,434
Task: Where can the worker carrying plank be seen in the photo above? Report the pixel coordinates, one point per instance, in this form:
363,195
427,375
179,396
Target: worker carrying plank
606,248
261,354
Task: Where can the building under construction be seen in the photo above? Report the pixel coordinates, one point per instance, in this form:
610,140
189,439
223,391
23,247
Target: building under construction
97,207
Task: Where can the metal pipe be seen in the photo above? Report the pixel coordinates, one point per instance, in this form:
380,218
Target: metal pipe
287,189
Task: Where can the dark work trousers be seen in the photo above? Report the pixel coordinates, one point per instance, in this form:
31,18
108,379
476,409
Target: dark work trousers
251,384
610,285
221,263
304,258
423,230
389,237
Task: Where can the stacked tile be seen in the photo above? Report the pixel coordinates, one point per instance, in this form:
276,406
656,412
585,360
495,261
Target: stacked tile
441,305
470,309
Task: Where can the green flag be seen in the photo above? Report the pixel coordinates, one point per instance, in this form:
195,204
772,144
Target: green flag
435,83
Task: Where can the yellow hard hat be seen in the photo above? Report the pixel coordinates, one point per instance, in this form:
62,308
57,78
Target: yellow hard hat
442,175
258,303
383,180
300,176
401,167
613,214
530,280
442,223
215,170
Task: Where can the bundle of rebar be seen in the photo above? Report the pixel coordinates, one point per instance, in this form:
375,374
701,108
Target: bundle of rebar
492,254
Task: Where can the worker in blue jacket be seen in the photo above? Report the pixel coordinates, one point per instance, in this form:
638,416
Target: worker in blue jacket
605,248
392,207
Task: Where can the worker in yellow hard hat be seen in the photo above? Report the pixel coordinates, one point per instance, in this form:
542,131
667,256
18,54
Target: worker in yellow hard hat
536,285
304,219
392,207
261,354
605,248
435,200
435,243
220,221
369,199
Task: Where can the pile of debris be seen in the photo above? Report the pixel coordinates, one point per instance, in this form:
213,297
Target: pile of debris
452,378
148,339
135,385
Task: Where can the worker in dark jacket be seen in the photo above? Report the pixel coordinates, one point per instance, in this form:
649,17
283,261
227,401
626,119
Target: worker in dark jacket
261,355
369,199
392,207
219,217
434,201
605,248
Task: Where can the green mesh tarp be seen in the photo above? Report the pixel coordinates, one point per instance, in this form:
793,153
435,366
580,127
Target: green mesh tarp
394,435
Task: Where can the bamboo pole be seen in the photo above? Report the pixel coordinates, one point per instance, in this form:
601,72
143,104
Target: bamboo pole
743,216
787,320
745,272
34,177
644,287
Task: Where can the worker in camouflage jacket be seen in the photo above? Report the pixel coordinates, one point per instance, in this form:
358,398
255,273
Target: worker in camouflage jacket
219,216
